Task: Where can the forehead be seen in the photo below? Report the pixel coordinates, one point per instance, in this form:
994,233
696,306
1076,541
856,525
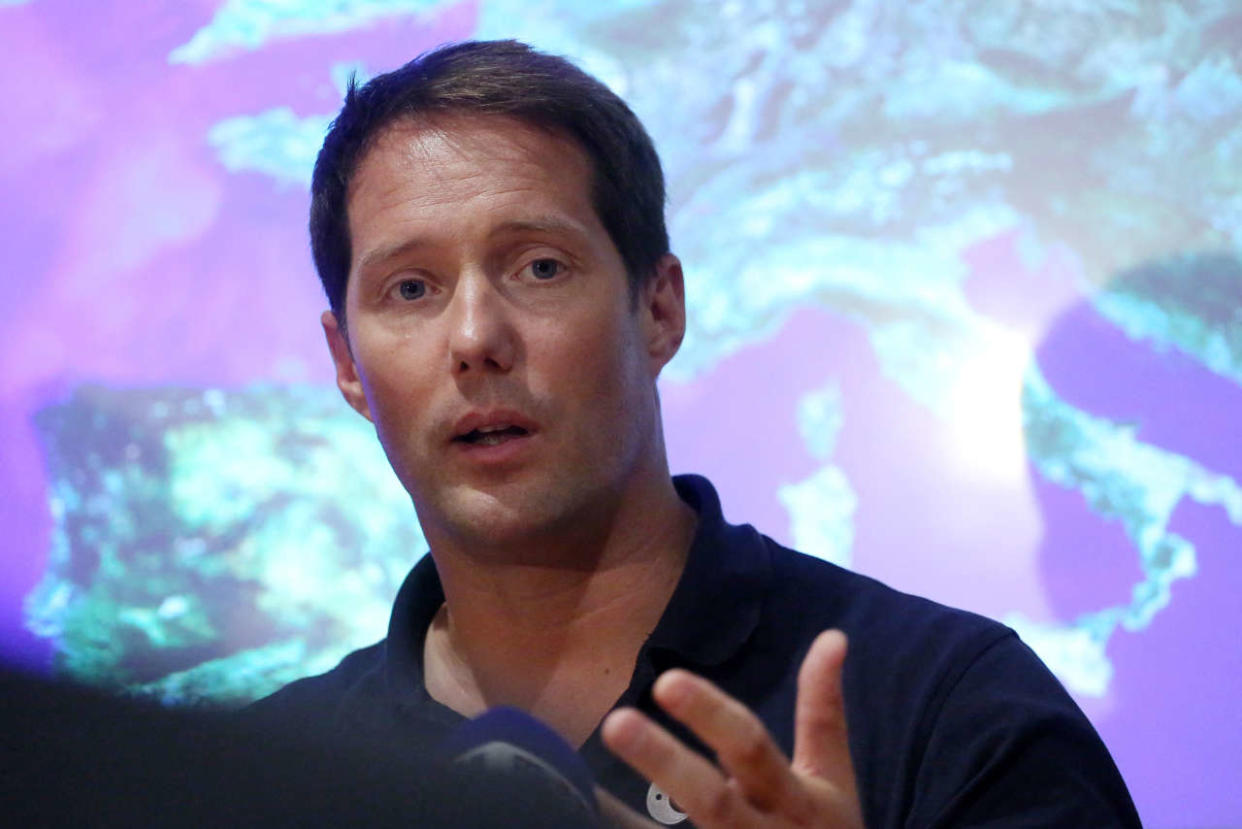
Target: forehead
420,175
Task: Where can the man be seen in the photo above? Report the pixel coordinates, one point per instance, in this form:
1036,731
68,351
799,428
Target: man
488,225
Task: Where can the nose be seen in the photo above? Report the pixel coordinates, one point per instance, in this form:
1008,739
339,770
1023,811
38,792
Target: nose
481,334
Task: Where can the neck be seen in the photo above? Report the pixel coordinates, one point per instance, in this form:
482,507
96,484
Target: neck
561,623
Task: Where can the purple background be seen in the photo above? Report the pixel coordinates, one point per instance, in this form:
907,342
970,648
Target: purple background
133,258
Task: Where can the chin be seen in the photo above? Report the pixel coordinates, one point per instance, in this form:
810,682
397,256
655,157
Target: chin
508,517
492,518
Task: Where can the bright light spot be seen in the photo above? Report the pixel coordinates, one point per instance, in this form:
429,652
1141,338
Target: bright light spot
984,405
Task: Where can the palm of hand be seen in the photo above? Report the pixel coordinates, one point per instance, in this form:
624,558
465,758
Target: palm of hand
755,784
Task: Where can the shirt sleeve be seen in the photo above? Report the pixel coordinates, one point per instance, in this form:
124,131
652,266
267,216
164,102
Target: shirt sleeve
1009,747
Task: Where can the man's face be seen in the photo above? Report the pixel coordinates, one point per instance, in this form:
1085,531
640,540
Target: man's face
491,336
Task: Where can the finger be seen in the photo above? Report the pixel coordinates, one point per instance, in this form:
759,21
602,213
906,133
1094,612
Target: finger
739,738
699,788
616,815
821,738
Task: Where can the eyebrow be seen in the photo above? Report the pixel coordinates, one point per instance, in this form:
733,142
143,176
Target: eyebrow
388,252
550,225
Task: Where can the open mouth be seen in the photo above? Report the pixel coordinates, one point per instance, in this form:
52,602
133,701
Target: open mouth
491,435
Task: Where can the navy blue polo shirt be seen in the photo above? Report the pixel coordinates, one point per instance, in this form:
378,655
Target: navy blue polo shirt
952,720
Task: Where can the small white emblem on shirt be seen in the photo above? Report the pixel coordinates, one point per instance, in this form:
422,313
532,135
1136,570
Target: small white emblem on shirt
662,808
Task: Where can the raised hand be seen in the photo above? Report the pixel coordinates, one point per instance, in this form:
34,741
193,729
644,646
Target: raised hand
755,784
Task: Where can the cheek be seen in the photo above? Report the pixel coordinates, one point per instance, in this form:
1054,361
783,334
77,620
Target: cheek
610,374
396,392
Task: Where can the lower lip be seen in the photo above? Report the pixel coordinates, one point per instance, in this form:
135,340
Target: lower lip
509,451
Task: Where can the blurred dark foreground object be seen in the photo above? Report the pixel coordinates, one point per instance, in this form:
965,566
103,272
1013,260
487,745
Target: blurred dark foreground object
71,756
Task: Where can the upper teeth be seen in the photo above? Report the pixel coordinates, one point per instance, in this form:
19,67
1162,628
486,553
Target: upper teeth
486,429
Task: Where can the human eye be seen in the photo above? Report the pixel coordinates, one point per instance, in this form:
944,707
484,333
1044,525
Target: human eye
410,289
545,269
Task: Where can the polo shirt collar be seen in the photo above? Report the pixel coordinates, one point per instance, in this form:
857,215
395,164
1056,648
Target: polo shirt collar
417,603
714,609
719,599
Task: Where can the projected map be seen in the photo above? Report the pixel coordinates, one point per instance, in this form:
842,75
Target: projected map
965,289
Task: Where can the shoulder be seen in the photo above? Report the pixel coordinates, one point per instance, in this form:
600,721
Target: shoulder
952,718
908,656
887,628
313,701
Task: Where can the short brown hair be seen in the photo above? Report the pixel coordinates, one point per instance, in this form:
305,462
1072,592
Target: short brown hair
501,77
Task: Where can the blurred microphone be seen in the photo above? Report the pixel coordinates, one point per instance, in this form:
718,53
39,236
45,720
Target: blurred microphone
507,743
73,757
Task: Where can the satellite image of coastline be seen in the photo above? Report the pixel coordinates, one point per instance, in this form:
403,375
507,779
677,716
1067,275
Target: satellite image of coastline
978,267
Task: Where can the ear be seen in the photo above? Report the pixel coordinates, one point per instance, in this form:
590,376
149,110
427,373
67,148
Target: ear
662,302
347,379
